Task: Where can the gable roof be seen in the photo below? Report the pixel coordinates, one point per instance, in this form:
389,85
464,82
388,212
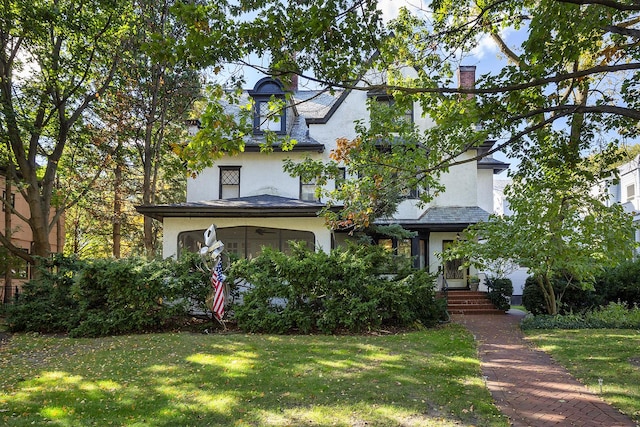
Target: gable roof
318,107
264,205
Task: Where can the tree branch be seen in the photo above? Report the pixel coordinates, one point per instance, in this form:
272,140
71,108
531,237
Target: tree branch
607,3
631,32
506,50
19,252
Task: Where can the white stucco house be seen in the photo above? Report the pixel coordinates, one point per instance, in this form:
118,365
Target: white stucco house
254,203
501,207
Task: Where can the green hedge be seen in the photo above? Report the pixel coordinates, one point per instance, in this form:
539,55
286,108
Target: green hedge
107,297
355,289
352,289
621,283
615,315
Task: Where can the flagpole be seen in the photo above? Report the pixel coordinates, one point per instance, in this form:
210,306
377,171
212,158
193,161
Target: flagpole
212,251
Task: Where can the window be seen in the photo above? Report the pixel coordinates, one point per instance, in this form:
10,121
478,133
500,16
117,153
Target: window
388,101
308,190
266,119
408,114
398,246
406,192
229,182
13,200
341,178
269,111
631,191
409,193
247,242
404,247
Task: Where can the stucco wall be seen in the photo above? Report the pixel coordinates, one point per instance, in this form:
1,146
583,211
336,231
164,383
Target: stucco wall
461,185
485,189
259,174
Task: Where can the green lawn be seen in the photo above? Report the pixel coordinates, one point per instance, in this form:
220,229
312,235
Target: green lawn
610,354
428,378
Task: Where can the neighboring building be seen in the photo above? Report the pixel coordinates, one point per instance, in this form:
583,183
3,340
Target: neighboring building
627,191
18,272
254,203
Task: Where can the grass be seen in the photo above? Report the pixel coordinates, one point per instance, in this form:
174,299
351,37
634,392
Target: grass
590,354
519,307
426,378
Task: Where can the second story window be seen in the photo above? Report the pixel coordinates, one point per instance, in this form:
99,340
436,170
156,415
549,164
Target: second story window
229,182
631,191
308,190
341,178
409,193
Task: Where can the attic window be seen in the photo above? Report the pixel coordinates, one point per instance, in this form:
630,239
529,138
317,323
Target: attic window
388,100
269,112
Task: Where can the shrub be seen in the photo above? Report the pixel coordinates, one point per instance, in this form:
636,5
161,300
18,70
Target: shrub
575,299
122,296
621,283
45,303
532,298
350,289
500,291
189,282
107,296
614,316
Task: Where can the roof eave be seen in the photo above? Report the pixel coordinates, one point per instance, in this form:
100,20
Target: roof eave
161,212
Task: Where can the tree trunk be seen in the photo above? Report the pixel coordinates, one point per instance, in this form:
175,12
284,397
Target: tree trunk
549,294
148,159
7,233
117,209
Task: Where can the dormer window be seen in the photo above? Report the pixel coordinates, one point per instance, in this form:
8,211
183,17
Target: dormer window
269,112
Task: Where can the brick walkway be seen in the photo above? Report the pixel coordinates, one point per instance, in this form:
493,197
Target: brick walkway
527,385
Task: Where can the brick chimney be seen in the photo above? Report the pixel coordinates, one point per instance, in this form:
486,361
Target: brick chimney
467,78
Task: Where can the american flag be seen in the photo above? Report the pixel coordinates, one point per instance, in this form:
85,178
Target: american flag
217,281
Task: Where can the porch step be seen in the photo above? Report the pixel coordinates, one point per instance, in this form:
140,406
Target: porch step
470,302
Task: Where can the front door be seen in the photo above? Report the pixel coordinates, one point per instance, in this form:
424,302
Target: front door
455,275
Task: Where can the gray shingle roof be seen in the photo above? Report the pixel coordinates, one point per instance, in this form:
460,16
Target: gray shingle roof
265,205
313,104
444,218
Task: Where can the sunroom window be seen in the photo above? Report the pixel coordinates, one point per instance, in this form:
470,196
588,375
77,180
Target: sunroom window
246,242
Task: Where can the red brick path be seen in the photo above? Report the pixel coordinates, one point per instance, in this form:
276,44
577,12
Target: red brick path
527,385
